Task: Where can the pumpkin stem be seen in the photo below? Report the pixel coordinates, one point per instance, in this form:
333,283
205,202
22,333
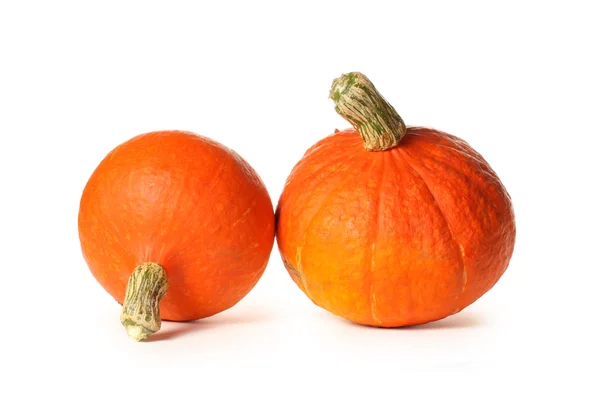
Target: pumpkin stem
146,286
359,103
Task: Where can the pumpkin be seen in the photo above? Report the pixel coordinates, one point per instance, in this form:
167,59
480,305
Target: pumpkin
391,226
174,226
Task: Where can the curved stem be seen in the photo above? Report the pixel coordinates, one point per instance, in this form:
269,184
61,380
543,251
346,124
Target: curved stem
146,286
359,103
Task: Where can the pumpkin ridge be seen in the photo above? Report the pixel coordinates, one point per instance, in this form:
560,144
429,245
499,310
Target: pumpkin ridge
474,184
396,154
437,204
484,168
452,167
326,198
310,177
377,219
340,136
461,147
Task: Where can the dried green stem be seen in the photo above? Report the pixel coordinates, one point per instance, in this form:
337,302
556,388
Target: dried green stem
147,285
359,103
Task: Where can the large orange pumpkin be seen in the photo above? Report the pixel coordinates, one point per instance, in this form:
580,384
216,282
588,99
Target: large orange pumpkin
178,210
391,226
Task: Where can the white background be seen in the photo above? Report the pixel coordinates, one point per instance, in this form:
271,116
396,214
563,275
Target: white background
518,80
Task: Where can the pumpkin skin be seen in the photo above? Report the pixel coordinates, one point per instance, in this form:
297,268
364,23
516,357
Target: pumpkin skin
398,237
187,203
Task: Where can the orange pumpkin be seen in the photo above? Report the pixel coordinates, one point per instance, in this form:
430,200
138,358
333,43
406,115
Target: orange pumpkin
391,226
175,209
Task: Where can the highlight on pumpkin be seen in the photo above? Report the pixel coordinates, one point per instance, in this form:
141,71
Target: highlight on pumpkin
176,227
388,225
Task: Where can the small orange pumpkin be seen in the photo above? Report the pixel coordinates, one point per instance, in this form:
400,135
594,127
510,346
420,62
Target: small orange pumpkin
391,226
178,215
